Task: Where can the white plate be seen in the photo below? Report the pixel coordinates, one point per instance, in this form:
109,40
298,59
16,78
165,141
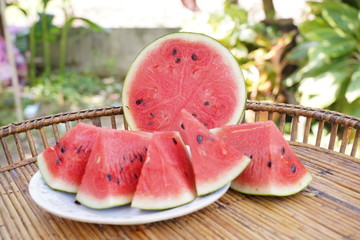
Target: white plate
63,204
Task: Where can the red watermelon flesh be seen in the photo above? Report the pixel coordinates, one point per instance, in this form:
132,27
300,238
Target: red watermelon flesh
183,70
113,169
275,169
215,163
167,177
62,165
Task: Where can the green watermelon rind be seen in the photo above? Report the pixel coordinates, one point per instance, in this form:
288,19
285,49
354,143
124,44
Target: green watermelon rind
101,204
277,191
288,190
244,162
52,182
237,118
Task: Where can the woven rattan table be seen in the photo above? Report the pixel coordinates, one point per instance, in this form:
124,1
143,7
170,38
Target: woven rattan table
328,209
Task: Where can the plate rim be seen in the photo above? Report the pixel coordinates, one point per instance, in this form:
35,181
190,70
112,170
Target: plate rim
154,216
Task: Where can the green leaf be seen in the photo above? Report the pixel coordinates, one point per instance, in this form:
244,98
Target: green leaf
312,25
300,51
333,50
342,16
325,33
353,90
90,23
321,91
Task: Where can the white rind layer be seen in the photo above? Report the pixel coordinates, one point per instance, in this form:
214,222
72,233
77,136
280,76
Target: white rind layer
204,188
274,190
108,202
159,203
191,37
51,181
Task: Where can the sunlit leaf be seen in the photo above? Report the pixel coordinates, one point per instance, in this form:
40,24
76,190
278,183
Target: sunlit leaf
333,50
341,15
353,90
312,25
321,91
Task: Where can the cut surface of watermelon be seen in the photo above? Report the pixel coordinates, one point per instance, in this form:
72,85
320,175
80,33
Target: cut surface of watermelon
62,165
113,168
215,163
183,71
275,169
167,177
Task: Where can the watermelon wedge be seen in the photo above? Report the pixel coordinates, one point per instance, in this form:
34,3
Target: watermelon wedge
275,169
183,71
167,177
113,168
62,165
215,163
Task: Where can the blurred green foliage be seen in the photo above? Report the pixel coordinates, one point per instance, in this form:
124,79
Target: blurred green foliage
61,92
258,48
328,56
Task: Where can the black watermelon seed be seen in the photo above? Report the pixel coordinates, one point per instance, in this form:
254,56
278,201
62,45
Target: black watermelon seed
141,158
117,180
177,60
200,138
182,126
77,202
109,177
139,101
57,144
63,149
131,160
194,57
205,124
293,168
121,169
251,156
135,175
206,103
269,163
282,151
174,140
58,161
152,115
194,115
174,51
79,149
145,149
135,156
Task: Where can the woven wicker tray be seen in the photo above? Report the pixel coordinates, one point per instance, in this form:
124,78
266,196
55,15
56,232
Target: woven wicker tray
329,208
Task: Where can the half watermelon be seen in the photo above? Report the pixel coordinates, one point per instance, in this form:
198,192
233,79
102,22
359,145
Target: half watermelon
215,163
113,169
275,169
62,165
183,71
167,177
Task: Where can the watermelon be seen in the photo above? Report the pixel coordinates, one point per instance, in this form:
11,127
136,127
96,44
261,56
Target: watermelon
113,168
183,70
62,165
215,163
167,177
275,169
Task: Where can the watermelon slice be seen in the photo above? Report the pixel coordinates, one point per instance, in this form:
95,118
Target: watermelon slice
215,163
113,168
167,178
183,70
62,165
275,169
